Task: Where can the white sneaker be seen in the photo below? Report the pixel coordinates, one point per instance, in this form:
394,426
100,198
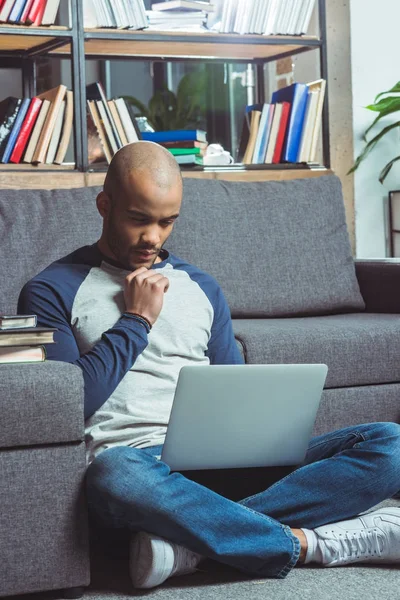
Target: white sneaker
373,537
152,560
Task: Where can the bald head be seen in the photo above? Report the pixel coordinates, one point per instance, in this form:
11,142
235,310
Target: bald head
138,160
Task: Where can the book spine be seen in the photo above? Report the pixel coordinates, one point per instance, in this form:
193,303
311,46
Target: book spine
25,12
15,130
17,11
26,129
170,136
277,156
34,11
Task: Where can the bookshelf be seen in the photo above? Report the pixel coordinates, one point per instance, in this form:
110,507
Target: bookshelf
23,45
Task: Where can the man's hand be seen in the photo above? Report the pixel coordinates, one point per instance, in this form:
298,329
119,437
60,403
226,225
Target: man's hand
144,293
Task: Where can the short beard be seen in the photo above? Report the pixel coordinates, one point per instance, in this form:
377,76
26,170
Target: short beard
114,243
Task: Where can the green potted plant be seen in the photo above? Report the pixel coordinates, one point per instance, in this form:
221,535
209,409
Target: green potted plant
384,104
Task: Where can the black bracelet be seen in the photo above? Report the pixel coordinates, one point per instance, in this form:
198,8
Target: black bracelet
145,322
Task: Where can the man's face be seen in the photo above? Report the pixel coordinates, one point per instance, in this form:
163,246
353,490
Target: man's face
140,220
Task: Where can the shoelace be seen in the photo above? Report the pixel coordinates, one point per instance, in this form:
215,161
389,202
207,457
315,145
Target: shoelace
184,560
356,545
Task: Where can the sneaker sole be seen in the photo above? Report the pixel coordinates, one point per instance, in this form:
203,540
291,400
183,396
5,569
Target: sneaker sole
156,553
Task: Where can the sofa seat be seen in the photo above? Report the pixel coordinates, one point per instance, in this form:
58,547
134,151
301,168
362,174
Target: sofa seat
359,348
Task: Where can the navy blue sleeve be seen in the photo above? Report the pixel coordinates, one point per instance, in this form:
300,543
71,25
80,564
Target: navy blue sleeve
105,365
222,347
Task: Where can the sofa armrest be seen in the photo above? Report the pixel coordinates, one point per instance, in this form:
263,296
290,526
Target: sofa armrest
379,281
41,403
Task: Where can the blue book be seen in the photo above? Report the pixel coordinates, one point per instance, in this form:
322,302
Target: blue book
15,130
17,11
179,135
297,95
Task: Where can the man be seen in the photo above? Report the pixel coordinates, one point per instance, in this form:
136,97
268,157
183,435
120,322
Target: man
130,315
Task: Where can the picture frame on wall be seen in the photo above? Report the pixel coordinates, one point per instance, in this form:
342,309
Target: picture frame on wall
394,223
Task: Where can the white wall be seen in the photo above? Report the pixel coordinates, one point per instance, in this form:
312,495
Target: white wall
375,68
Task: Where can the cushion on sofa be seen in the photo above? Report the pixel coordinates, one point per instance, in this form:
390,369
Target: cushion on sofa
359,349
277,248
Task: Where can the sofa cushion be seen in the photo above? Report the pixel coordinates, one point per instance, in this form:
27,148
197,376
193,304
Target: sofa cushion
277,248
359,349
41,404
36,228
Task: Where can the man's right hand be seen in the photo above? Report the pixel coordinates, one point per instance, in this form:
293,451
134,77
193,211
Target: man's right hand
144,293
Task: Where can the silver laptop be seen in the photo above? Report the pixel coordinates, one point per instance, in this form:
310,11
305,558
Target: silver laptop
231,416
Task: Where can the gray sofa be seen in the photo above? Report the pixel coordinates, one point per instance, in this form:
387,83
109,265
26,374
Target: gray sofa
280,251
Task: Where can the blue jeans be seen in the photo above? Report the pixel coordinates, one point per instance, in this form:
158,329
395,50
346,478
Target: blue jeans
345,473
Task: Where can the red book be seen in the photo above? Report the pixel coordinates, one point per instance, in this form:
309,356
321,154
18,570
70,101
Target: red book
39,18
281,133
25,14
36,8
25,131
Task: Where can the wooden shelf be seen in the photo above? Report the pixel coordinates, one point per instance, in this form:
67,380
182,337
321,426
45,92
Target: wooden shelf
187,45
21,39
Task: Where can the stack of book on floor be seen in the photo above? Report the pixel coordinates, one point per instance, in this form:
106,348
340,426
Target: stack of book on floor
21,341
286,130
266,17
29,12
188,146
117,14
184,15
36,130
111,124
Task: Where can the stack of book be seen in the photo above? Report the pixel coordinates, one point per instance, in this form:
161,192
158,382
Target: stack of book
111,124
187,15
266,17
29,12
36,130
188,146
119,14
21,341
286,129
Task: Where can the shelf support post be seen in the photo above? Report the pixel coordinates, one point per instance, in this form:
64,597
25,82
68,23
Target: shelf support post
324,75
79,79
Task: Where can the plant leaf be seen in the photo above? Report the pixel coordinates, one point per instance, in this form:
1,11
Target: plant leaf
371,144
386,170
395,88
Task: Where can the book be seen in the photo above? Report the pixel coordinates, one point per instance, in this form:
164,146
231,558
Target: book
265,136
12,138
50,13
189,159
94,153
320,87
254,124
25,12
22,354
258,157
296,94
56,135
17,321
36,7
66,128
118,122
27,336
95,91
8,113
183,5
26,129
36,131
185,144
16,11
274,134
6,10
108,127
55,96
186,151
175,135
277,156
129,124
309,120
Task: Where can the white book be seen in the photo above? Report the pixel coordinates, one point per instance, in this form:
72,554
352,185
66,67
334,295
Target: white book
118,17
258,17
6,10
308,126
231,15
272,16
90,20
307,18
126,120
50,12
107,126
249,22
266,10
283,9
260,134
56,135
142,12
294,16
319,85
241,4
183,5
224,15
133,24
266,134
274,133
